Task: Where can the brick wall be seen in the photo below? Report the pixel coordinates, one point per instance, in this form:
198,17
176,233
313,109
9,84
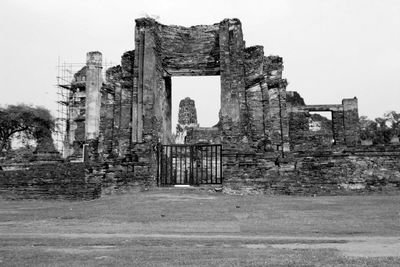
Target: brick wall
325,172
48,181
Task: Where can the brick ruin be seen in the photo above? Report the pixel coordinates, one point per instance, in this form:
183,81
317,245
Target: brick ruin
271,141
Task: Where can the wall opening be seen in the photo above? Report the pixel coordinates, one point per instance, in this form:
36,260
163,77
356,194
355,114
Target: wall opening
205,91
320,124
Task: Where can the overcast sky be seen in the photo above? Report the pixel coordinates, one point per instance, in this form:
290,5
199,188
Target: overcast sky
332,49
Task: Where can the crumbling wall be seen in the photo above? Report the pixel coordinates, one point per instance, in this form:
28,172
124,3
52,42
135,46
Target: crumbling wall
116,113
109,115
190,51
48,181
351,171
75,125
341,131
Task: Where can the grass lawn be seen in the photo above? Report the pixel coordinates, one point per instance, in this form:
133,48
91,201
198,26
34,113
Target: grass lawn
170,227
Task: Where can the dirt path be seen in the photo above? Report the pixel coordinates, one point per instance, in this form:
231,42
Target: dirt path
166,228
359,246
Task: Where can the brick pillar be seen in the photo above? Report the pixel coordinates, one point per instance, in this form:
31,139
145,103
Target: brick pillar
284,118
266,113
255,106
93,100
149,90
278,114
338,127
276,119
234,115
351,121
125,126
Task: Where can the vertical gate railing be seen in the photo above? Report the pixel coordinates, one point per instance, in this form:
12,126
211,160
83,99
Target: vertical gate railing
189,164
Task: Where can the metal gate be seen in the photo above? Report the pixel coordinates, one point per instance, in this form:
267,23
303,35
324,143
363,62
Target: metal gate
189,164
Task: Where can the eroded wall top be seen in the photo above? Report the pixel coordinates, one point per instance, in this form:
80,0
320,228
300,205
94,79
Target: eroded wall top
188,51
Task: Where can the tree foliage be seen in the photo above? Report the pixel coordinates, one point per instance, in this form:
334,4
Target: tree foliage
34,122
382,129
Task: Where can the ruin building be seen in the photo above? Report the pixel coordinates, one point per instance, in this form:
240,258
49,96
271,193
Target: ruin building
126,115
129,113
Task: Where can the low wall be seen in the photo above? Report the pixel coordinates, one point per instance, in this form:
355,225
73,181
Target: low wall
355,171
119,176
48,181
74,181
328,173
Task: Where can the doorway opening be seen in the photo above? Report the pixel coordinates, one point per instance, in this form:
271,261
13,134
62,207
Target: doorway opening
206,93
320,125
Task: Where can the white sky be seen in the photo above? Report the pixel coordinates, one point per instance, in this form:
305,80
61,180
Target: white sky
332,49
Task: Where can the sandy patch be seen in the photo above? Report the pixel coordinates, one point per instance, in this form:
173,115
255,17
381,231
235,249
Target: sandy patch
364,248
81,250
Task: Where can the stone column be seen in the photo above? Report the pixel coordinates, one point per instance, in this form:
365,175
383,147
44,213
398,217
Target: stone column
93,101
93,96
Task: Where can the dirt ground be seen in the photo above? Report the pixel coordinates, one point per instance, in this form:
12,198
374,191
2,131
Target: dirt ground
184,227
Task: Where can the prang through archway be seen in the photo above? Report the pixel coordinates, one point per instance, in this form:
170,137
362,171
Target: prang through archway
204,91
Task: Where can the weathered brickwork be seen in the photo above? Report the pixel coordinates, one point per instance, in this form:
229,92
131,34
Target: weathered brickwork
116,112
321,173
48,181
75,125
343,129
211,135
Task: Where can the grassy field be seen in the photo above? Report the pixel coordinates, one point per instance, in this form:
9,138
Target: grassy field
190,228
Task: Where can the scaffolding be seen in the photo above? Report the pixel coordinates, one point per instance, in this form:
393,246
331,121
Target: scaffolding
65,93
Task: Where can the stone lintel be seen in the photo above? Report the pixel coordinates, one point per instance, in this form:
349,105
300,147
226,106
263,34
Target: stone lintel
316,108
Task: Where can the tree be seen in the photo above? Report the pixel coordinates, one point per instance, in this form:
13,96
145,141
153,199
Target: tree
393,119
368,128
382,129
34,122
